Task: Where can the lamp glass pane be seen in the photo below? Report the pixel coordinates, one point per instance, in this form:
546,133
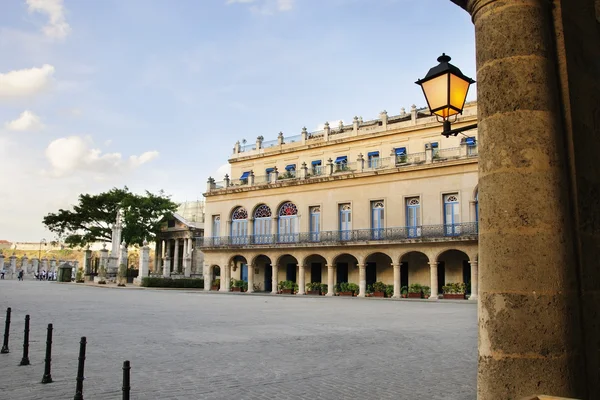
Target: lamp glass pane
458,91
436,91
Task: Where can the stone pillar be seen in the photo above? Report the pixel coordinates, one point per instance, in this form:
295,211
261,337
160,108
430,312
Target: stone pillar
397,288
53,264
44,264
360,162
167,260
327,131
103,258
13,264
236,147
207,277
259,141
250,278
355,126
87,261
274,278
251,178
274,175
157,255
210,184
176,257
413,114
330,279
144,263
24,265
123,255
362,280
531,333
304,135
280,138
226,181
384,119
433,274
428,153
474,281
329,167
303,171
228,275
35,265
301,279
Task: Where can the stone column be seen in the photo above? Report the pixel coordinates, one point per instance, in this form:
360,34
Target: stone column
103,258
123,255
355,126
53,265
397,293
228,280
250,233
474,282
433,274
207,277
530,327
327,131
383,116
144,263
330,279
44,264
24,265
167,260
362,280
87,261
176,257
35,265
157,255
360,162
301,279
250,278
329,166
274,278
13,264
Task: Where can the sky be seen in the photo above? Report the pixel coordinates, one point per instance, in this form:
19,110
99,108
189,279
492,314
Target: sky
153,94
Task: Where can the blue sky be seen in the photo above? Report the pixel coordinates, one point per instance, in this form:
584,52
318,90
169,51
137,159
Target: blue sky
153,94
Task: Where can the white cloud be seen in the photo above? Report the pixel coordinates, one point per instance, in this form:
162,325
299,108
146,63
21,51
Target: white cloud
332,124
57,26
266,7
74,154
25,82
219,174
27,121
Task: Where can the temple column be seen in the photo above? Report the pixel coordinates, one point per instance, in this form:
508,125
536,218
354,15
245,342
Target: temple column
396,267
250,278
362,280
176,257
433,275
301,279
274,278
167,259
330,279
474,284
207,277
535,172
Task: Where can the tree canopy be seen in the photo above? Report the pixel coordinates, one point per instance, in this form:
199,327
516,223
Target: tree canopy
92,218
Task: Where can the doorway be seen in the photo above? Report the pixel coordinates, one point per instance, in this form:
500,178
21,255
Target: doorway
441,276
315,272
371,273
268,278
342,272
291,273
403,275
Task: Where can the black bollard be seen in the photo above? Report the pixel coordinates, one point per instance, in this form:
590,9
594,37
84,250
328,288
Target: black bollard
47,377
80,378
25,359
6,331
126,385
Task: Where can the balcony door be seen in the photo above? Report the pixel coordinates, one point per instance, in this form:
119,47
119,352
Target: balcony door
239,226
315,223
345,221
288,223
451,215
377,220
262,224
413,217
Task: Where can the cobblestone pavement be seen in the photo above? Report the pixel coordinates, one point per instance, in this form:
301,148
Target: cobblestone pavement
192,345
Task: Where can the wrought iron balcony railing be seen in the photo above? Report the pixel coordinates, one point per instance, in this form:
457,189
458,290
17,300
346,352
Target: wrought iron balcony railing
402,234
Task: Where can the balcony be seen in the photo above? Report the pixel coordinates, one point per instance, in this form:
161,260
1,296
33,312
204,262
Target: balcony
424,233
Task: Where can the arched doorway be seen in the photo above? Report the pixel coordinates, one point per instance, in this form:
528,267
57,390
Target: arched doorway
263,274
346,268
239,268
379,269
262,224
414,269
215,273
287,231
315,268
288,268
453,267
239,226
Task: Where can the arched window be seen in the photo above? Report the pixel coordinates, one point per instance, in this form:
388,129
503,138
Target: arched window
377,220
345,221
315,223
239,226
216,228
262,224
288,222
451,215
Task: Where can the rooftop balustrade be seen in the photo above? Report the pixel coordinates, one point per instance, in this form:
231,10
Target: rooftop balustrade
462,231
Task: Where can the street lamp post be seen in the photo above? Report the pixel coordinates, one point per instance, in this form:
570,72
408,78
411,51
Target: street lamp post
43,241
445,88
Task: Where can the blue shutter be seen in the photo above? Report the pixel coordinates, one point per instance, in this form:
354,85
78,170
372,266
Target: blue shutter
470,141
373,153
290,167
269,170
400,151
341,159
434,145
316,162
245,175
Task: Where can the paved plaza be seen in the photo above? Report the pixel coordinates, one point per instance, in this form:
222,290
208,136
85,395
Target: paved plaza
193,345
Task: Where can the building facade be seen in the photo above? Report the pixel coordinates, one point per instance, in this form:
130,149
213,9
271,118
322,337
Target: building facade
174,248
388,200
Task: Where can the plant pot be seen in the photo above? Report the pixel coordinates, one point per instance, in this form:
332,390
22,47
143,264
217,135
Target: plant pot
346,294
378,294
454,296
415,295
313,292
404,295
214,288
236,289
287,291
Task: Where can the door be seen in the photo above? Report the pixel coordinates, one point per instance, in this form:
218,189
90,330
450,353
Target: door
467,275
441,275
291,273
403,275
268,278
288,229
315,272
377,221
413,215
371,272
244,272
315,224
262,230
451,215
342,272
345,222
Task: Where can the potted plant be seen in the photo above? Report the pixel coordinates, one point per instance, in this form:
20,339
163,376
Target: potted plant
426,291
404,292
287,287
347,289
215,284
389,291
369,291
454,291
238,286
79,276
323,289
313,288
379,289
415,291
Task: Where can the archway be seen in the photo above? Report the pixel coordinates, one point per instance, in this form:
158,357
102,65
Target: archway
453,267
414,269
287,268
238,268
346,268
215,273
379,269
263,273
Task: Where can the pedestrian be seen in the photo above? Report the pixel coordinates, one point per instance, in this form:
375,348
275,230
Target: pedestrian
20,276
2,272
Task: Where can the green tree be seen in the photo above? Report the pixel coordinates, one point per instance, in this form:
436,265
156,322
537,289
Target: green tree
92,218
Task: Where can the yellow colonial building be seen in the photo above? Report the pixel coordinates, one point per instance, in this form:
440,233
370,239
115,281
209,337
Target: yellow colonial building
387,200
